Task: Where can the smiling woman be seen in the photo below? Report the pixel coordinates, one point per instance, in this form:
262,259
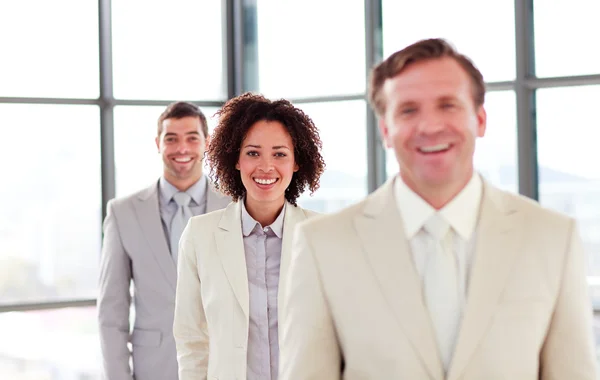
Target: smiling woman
252,115
266,166
264,154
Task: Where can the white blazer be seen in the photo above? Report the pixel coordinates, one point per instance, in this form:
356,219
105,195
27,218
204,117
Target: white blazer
353,294
212,300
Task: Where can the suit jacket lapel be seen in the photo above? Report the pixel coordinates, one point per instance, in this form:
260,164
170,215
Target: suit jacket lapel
380,230
293,216
148,214
498,241
230,247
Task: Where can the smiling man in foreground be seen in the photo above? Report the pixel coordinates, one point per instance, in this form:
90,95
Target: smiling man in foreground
141,235
438,274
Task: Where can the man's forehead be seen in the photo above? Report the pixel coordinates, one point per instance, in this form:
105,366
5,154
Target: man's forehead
431,71
411,88
430,89
183,125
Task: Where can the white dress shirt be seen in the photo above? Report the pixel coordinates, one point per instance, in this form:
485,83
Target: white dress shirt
461,213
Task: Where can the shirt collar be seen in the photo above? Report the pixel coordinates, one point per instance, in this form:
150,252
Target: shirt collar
249,223
461,212
197,191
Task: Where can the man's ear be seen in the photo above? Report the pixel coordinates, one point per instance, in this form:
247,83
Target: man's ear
385,135
481,121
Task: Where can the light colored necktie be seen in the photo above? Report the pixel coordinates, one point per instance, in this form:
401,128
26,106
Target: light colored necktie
441,288
179,221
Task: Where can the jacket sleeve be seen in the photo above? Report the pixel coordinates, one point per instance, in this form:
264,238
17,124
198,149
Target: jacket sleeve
309,348
189,327
568,351
114,301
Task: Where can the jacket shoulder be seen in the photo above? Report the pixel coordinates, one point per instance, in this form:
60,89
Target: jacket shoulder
336,220
206,222
128,200
534,211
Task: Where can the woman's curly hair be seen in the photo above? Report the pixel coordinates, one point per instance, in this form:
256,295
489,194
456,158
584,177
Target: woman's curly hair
235,119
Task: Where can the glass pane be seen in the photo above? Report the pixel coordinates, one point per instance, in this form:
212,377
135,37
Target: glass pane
46,51
565,32
50,224
168,50
483,30
597,335
50,345
495,153
137,162
302,54
568,159
343,131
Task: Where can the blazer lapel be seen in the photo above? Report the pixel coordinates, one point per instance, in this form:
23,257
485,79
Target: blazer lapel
380,230
230,247
498,241
148,214
293,216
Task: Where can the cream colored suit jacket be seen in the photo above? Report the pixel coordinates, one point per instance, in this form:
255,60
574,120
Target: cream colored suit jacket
354,299
211,306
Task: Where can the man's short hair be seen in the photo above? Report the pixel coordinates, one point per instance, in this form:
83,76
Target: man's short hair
179,110
422,50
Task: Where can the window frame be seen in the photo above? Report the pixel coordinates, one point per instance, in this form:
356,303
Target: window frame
239,35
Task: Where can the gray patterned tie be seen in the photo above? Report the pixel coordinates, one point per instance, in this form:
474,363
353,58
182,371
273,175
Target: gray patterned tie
179,221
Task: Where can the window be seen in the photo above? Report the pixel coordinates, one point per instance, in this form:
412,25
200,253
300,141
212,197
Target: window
568,164
50,344
168,50
137,161
42,55
342,127
483,30
565,32
50,225
303,53
495,153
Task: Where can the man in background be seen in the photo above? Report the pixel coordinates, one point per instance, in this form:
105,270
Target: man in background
141,236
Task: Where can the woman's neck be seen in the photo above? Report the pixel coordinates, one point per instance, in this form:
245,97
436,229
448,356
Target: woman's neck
264,213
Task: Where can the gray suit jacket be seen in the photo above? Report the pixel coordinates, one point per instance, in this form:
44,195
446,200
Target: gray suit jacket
135,248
